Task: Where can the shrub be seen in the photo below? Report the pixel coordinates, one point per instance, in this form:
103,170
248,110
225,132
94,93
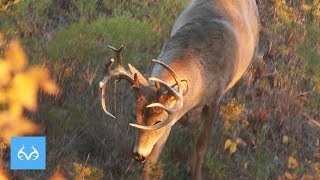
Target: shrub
87,42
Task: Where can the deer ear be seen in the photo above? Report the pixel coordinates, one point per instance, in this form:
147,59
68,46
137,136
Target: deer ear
136,83
185,86
142,80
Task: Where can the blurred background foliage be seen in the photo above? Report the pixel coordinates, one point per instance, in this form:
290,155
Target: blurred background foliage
268,125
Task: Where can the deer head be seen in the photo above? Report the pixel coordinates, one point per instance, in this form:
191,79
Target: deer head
155,110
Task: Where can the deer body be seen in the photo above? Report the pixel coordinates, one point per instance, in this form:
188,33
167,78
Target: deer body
211,46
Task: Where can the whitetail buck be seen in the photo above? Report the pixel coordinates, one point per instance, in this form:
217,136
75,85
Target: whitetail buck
211,46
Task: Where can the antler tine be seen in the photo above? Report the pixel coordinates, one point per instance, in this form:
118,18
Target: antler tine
169,110
175,76
103,100
119,54
156,126
119,73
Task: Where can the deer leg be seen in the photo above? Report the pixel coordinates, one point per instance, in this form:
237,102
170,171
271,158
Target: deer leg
154,155
209,113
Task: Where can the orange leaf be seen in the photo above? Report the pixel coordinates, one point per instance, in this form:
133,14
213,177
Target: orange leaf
292,163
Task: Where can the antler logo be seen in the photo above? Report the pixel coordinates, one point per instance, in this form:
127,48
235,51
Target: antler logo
23,156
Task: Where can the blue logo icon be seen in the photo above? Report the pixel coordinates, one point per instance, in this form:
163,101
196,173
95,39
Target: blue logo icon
28,153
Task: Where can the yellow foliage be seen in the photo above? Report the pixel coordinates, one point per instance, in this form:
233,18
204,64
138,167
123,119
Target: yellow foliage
292,163
19,87
4,73
23,91
232,112
3,175
87,172
82,171
11,126
284,12
15,56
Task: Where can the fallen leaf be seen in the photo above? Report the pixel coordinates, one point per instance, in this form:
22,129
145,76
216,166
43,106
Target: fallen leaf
288,175
245,165
227,144
233,148
307,177
285,139
292,163
241,141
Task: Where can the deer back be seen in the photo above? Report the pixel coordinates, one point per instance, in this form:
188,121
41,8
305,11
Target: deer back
211,46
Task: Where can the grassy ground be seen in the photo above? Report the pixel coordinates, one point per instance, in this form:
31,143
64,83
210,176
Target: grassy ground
267,124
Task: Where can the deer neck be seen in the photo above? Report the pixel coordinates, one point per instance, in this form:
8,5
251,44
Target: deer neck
189,70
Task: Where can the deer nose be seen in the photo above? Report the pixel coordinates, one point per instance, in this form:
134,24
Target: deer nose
138,157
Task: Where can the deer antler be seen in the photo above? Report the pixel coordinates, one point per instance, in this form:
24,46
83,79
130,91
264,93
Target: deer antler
119,73
172,112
